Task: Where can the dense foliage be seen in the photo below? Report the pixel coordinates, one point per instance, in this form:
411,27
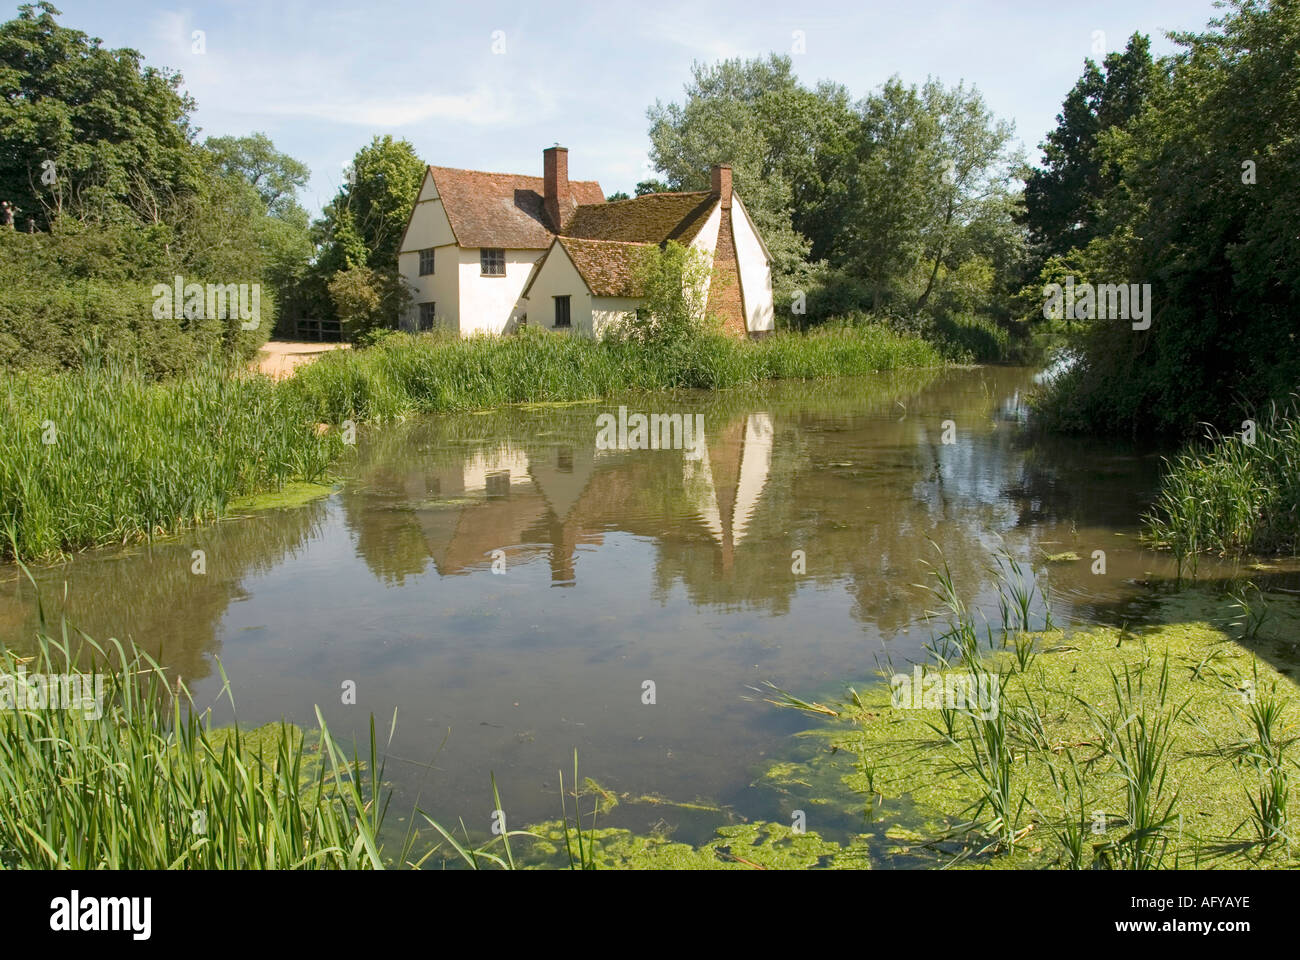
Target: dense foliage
901,203
1198,200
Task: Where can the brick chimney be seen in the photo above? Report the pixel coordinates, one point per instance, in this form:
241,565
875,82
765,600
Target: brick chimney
722,184
555,174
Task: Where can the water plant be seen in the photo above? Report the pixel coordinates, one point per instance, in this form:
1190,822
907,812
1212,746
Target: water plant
151,784
1233,494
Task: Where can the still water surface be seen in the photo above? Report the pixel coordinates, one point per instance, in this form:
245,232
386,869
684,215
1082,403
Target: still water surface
618,567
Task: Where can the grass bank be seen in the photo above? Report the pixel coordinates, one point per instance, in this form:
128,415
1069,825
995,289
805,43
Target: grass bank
102,455
404,374
1233,494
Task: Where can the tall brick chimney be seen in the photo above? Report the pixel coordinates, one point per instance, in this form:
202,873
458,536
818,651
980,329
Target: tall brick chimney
722,184
555,174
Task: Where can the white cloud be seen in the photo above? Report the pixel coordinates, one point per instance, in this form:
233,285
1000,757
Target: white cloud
482,107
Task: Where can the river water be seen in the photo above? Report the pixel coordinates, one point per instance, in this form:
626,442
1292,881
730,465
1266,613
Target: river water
515,590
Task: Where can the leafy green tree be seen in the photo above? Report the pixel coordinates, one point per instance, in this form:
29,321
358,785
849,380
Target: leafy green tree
283,231
756,116
1065,198
651,186
363,224
872,204
277,177
87,131
1204,211
928,184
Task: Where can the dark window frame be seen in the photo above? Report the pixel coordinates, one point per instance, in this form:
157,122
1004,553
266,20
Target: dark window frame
490,258
431,313
431,261
567,302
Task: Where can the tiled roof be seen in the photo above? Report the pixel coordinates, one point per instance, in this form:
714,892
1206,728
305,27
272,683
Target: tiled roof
502,209
653,218
608,267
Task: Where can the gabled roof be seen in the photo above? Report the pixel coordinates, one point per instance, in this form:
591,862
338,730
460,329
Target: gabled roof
502,209
653,218
609,268
606,241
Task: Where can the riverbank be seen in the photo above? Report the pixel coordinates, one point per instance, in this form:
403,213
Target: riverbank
103,456
405,375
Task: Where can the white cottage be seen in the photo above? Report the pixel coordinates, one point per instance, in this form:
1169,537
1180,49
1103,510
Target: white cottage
485,252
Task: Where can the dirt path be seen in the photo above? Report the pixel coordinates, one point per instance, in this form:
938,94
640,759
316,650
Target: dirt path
279,358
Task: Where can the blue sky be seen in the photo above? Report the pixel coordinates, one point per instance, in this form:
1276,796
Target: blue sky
322,78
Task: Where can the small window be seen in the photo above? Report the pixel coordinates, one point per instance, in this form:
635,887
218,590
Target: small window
562,316
428,316
426,262
492,261
564,460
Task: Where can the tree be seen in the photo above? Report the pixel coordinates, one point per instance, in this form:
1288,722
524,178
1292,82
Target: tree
363,224
277,177
756,116
283,231
1203,211
85,130
1065,198
927,182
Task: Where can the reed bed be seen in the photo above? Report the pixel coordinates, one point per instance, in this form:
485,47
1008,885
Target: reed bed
1233,494
102,455
149,784
405,375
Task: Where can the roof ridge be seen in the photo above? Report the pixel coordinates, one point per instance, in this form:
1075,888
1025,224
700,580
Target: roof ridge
637,243
645,196
498,173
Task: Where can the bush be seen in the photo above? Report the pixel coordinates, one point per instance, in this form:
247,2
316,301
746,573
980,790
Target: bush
82,292
366,300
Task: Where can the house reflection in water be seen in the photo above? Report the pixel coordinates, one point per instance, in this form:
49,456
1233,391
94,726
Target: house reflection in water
552,496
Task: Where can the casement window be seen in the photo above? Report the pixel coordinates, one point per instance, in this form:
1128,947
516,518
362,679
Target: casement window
428,316
562,316
564,459
426,262
492,262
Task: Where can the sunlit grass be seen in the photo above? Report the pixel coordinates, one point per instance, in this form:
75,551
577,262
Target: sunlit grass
1233,494
102,455
405,375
